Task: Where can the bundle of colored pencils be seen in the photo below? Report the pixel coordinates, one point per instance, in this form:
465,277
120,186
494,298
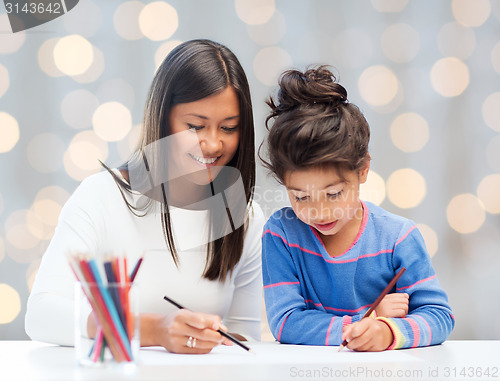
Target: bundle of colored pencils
110,303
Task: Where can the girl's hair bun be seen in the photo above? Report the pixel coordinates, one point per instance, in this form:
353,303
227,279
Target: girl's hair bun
313,124
316,85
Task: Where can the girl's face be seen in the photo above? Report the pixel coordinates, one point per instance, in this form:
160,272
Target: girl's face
322,199
208,135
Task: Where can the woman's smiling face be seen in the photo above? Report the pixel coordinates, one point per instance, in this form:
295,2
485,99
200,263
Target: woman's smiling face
209,136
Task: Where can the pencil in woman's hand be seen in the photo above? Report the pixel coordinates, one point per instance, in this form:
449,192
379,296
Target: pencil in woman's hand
379,299
225,334
173,302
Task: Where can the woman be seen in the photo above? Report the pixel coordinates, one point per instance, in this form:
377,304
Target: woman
184,200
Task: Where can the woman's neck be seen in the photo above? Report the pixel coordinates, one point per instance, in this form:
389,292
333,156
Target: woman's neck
179,192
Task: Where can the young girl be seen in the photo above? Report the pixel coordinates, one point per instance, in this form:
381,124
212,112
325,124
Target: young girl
328,257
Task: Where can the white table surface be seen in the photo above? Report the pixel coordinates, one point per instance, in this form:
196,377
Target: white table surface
453,360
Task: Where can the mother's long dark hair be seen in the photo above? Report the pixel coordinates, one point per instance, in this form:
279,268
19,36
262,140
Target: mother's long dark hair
192,71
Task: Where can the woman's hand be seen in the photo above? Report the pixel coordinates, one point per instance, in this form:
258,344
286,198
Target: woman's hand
368,335
183,331
393,306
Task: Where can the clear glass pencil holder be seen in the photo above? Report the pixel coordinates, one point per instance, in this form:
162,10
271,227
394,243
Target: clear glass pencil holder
115,309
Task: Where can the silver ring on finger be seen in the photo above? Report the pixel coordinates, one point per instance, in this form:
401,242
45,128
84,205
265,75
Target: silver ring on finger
191,342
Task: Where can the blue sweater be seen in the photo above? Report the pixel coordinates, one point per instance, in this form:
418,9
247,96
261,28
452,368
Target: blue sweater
310,296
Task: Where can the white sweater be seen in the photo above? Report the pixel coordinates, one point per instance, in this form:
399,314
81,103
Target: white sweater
96,220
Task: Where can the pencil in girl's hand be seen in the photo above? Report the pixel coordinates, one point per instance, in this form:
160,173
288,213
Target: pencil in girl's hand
379,299
225,334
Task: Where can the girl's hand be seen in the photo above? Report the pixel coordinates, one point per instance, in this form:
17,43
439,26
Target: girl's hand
393,306
368,335
173,332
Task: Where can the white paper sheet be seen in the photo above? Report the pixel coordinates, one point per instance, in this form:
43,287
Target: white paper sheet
274,353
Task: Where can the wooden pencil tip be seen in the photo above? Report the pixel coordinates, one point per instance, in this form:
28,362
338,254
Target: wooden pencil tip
341,347
252,351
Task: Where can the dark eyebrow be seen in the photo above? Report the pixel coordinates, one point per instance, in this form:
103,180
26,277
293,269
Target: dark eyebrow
328,186
205,118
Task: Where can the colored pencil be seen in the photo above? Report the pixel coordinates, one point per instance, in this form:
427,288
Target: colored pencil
136,269
379,299
102,314
112,270
107,306
110,308
225,334
83,276
114,290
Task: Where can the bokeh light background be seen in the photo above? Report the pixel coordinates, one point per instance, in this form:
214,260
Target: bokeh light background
426,74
